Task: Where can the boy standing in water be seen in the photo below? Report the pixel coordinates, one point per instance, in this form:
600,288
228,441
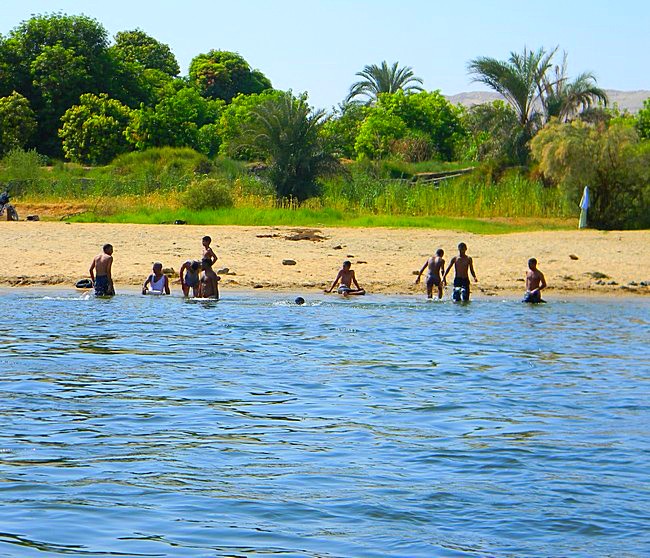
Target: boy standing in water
435,264
347,277
189,273
100,272
463,266
207,251
535,282
209,287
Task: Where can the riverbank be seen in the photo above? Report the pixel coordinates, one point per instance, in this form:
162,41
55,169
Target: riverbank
51,253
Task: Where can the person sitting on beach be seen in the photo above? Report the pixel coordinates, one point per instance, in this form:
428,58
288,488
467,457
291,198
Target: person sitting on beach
209,287
207,251
190,277
100,272
436,265
463,265
347,277
535,282
157,282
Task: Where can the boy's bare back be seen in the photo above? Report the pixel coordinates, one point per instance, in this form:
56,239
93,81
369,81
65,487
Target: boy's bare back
103,264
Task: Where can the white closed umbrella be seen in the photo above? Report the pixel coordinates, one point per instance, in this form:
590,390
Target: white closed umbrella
584,206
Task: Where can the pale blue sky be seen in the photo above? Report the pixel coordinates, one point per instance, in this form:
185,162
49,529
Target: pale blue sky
318,45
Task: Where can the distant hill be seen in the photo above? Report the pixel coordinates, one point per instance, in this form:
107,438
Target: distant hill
630,100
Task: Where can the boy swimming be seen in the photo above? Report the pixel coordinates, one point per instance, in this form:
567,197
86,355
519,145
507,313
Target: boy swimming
463,265
435,264
157,282
535,282
100,272
347,277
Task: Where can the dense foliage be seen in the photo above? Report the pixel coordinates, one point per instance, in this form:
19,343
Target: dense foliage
220,74
68,91
287,132
17,122
611,160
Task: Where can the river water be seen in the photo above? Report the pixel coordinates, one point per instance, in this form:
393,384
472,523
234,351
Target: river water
379,426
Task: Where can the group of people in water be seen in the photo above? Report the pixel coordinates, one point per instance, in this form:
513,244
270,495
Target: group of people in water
198,276
464,266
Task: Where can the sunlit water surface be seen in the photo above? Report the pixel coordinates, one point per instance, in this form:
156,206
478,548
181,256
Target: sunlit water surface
383,426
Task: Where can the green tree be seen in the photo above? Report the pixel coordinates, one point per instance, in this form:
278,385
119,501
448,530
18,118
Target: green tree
495,133
236,116
520,79
564,99
384,79
52,60
17,122
378,132
610,160
341,130
428,114
93,132
220,74
287,131
643,120
174,122
138,47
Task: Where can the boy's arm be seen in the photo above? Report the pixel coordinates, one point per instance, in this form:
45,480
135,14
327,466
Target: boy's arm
144,287
421,272
354,280
334,283
183,268
471,270
92,271
451,263
167,291
109,266
543,281
213,256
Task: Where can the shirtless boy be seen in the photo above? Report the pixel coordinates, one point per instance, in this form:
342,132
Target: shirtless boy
436,265
207,251
100,272
208,287
347,277
463,266
535,282
157,282
189,273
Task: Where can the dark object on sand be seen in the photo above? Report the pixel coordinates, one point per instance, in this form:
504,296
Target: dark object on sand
32,218
180,222
12,214
288,262
300,300
84,284
573,257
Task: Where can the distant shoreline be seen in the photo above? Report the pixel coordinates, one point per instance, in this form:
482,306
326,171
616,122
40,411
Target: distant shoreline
576,263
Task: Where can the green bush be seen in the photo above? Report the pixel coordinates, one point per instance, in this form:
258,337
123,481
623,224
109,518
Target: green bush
207,193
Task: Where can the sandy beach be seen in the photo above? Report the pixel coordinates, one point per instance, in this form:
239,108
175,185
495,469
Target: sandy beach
53,253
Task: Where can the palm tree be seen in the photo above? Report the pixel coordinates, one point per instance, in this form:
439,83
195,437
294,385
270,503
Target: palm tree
564,99
382,79
287,132
520,80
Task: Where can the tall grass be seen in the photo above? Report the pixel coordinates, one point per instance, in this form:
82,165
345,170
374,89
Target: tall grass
161,185
513,196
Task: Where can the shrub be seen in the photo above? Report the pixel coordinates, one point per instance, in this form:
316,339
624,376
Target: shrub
207,193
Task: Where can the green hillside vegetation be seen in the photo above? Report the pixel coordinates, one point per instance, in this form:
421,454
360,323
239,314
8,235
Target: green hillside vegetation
113,126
